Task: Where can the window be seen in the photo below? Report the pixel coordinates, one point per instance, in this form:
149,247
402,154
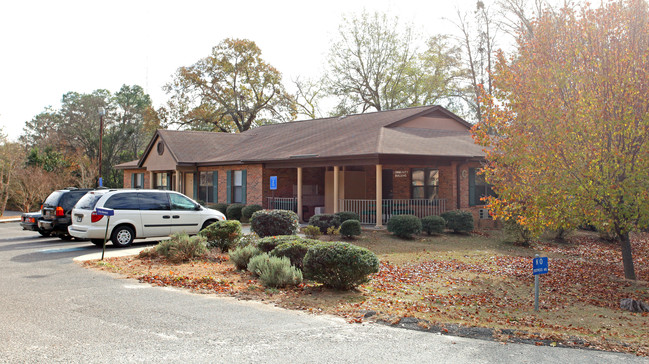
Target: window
162,181
123,201
153,201
478,188
237,187
179,202
137,180
425,183
88,201
206,187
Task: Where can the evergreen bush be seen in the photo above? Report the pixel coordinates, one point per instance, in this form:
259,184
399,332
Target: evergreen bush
350,228
182,248
274,222
221,206
459,221
404,226
347,215
224,234
311,232
269,243
294,250
433,224
339,265
233,212
246,212
324,221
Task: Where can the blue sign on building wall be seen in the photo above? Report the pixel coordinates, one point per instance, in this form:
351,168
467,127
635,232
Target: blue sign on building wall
273,182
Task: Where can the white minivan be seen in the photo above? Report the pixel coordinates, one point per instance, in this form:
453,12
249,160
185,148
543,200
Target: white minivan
138,214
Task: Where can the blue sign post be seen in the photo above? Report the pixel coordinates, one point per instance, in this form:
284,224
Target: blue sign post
273,183
539,266
105,212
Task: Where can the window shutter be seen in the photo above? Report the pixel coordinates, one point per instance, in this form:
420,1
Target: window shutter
229,186
243,186
133,180
472,201
215,185
196,178
169,181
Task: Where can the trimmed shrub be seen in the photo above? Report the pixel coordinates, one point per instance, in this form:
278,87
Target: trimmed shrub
339,265
332,230
247,239
350,228
233,212
294,250
459,221
404,226
246,212
433,224
274,271
274,222
221,206
311,232
224,234
269,243
182,248
347,215
242,255
324,221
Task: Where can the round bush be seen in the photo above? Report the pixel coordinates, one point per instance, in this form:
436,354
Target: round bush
324,221
247,211
433,224
350,228
274,222
404,226
242,255
233,211
339,265
347,215
269,243
459,221
222,207
294,250
224,234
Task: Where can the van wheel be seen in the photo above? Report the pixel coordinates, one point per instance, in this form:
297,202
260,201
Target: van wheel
207,223
122,236
98,242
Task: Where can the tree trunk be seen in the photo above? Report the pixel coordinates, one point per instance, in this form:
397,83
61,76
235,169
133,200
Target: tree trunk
627,256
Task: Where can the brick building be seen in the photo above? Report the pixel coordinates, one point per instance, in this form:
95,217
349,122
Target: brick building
425,157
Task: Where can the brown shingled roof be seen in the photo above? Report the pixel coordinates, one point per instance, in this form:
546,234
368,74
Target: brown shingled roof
354,135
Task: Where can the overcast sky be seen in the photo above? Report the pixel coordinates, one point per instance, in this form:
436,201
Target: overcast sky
51,47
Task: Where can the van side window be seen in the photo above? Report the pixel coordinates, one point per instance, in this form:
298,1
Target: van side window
179,202
153,201
123,201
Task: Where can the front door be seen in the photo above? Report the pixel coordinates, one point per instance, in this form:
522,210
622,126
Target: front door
388,191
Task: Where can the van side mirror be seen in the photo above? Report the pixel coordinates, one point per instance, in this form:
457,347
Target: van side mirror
198,208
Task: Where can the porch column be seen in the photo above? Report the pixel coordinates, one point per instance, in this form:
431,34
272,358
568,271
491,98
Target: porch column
379,195
151,181
299,194
177,181
336,189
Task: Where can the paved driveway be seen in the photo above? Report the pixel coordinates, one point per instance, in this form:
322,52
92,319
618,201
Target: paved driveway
52,310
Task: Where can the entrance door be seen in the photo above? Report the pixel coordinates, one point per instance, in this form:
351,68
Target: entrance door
388,191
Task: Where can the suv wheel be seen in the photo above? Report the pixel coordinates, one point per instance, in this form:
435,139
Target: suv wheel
122,236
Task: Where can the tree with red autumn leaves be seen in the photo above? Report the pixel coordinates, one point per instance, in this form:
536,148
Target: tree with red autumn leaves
567,125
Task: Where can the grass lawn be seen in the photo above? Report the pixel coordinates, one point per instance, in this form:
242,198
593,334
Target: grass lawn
451,282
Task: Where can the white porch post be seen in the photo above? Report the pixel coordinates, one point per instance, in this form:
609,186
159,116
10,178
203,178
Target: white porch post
379,195
178,181
299,193
336,189
151,181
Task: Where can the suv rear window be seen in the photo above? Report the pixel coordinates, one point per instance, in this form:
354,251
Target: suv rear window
70,199
53,199
88,201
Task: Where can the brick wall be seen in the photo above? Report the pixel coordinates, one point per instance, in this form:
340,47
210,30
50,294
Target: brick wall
253,182
129,172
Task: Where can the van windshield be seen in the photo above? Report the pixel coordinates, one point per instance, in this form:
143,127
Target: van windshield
88,201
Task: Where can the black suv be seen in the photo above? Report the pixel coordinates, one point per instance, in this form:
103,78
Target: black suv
56,211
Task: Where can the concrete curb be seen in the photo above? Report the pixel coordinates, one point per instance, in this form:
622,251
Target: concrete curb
11,219
112,253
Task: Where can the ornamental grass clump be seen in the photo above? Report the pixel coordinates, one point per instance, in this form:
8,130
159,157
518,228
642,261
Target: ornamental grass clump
223,234
242,255
339,265
182,248
433,224
274,222
404,226
274,271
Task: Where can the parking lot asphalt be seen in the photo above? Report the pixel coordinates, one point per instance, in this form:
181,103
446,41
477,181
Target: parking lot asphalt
54,310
